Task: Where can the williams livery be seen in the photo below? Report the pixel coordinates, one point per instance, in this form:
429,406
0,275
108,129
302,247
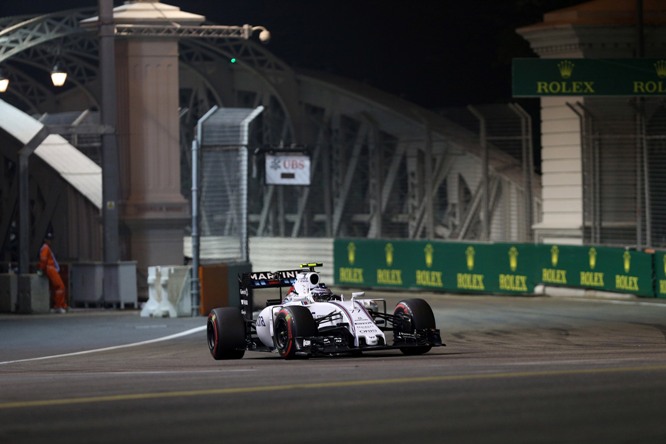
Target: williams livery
309,320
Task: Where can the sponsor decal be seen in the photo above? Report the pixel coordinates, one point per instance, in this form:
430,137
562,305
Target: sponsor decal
623,282
513,282
592,278
351,253
469,281
554,275
351,275
429,278
389,276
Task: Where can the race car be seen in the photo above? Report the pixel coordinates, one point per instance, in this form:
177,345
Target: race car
309,320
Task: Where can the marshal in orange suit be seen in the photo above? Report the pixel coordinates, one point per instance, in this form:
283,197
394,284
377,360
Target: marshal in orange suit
49,266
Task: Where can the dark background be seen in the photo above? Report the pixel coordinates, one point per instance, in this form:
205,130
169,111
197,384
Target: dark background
436,53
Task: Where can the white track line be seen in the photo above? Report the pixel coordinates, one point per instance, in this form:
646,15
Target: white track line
115,347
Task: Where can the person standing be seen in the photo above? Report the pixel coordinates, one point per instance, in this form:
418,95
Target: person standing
49,266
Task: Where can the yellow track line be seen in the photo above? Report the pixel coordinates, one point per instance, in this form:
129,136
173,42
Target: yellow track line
319,385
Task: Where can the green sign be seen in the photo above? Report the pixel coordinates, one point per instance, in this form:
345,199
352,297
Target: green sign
437,266
588,77
598,268
495,268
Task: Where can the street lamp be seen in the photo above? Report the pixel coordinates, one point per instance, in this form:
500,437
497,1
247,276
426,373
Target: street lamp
58,75
4,82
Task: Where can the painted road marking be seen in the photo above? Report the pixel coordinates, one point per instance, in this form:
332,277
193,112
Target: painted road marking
115,347
319,385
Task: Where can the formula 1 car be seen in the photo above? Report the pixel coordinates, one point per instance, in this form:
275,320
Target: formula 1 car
309,320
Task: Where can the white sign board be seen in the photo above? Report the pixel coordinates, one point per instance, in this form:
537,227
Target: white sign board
287,169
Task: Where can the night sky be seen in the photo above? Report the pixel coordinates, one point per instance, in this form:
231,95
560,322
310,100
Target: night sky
436,53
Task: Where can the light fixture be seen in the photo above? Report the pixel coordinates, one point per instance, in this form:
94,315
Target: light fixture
4,82
58,75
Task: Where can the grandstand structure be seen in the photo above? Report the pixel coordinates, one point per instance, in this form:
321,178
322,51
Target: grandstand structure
381,167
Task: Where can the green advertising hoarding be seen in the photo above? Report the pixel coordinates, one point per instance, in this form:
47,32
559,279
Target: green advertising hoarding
501,268
383,263
491,268
453,267
588,77
592,267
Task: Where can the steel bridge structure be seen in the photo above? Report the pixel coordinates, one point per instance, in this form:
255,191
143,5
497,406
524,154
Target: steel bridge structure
381,167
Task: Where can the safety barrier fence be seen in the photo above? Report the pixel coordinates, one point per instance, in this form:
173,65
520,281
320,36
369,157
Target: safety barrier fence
502,268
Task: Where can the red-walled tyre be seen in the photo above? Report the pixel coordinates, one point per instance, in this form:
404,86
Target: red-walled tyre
418,316
292,322
225,331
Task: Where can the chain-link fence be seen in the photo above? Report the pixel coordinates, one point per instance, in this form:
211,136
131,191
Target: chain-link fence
624,156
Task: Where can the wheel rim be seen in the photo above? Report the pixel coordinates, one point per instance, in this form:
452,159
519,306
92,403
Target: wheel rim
211,336
281,334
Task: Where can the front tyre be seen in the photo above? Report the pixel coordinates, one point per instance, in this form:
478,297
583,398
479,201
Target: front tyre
225,331
413,316
292,323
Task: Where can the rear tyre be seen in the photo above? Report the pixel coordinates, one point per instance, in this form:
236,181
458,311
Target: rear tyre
292,322
415,314
225,331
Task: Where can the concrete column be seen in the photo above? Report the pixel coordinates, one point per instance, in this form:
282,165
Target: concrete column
599,29
153,208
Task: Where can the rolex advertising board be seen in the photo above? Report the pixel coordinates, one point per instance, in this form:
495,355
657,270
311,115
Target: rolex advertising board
534,77
453,267
491,268
374,263
495,268
594,267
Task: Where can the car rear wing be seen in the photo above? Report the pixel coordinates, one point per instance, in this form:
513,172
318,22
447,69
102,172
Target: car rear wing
247,282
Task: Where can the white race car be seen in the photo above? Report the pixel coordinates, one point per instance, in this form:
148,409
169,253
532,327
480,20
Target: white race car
310,320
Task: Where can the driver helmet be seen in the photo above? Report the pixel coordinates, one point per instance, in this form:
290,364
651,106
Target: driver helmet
321,293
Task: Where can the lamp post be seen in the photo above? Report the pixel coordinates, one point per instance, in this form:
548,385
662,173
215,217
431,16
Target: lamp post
4,82
110,160
58,75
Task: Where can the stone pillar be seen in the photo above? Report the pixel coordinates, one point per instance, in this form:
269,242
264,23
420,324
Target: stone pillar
597,29
153,208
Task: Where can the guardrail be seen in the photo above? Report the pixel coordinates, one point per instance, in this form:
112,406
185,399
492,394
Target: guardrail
503,268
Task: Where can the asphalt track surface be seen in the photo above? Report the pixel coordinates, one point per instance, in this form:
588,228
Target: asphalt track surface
515,370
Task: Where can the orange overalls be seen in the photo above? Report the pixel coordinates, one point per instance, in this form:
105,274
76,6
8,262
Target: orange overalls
49,264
